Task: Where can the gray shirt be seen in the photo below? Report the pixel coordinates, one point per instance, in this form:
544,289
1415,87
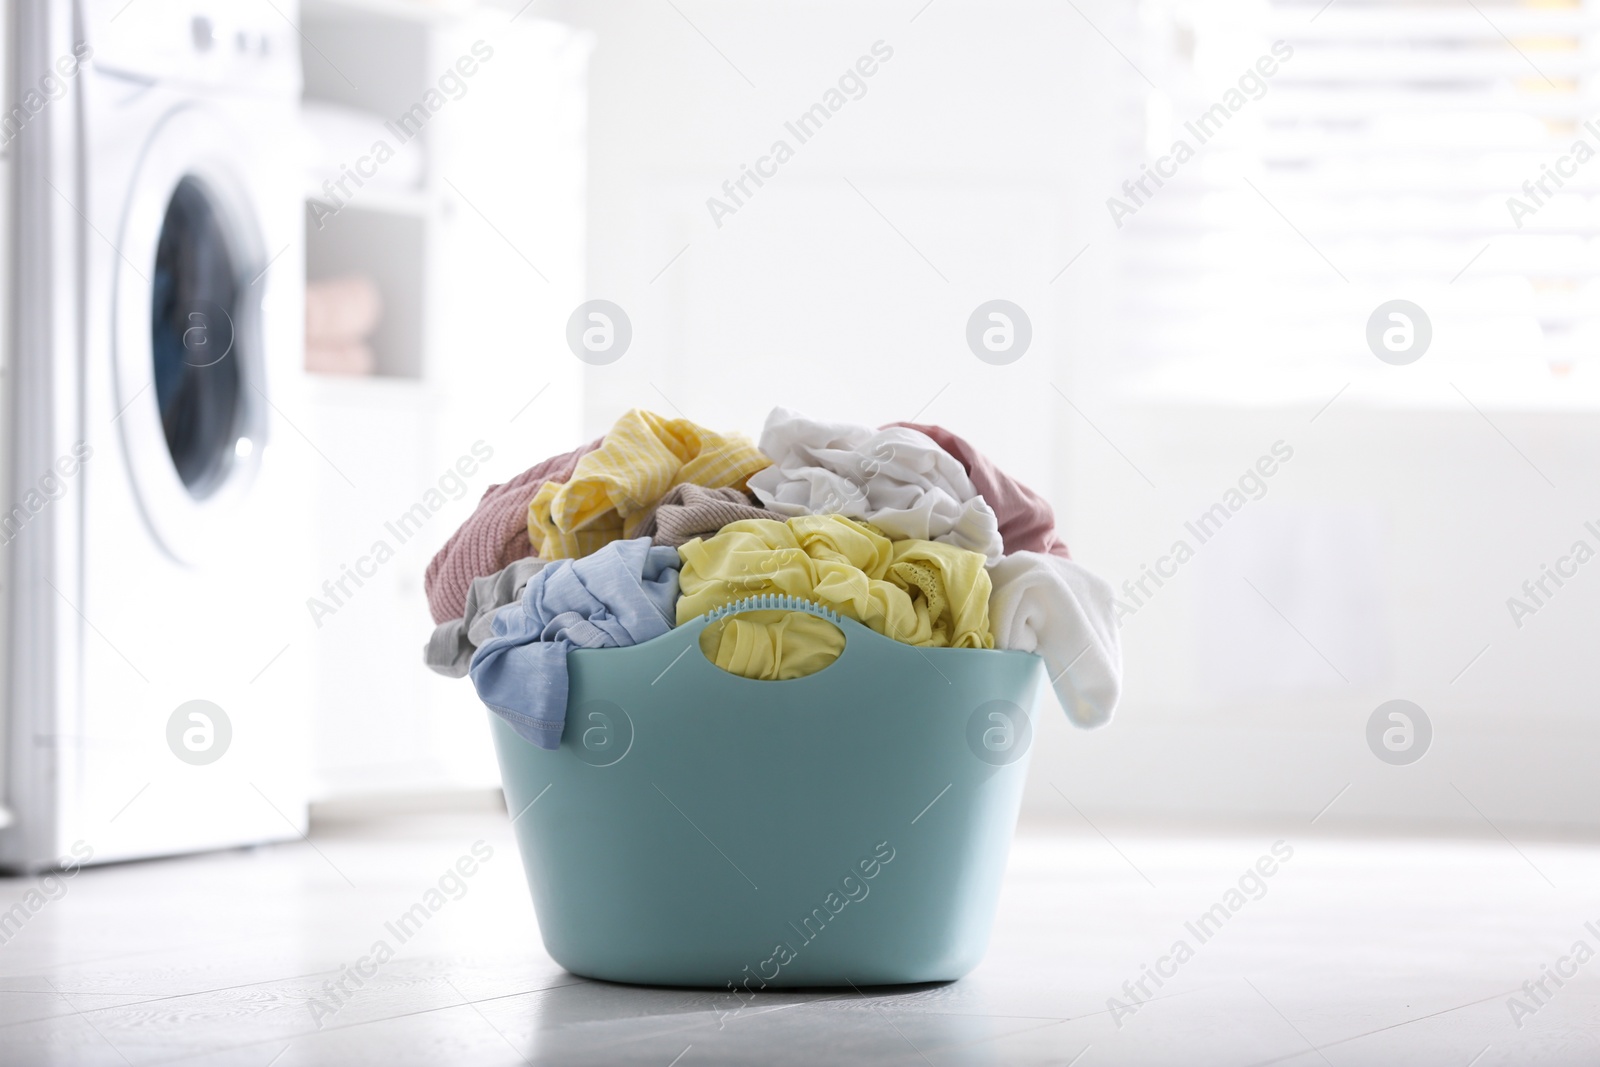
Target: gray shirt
449,651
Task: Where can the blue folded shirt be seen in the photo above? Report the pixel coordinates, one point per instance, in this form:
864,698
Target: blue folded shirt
624,594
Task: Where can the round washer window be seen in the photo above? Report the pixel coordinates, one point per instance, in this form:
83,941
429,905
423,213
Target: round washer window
194,307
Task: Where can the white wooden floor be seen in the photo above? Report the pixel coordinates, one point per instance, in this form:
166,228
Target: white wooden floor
1384,952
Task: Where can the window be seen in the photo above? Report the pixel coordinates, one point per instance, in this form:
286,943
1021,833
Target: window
1307,162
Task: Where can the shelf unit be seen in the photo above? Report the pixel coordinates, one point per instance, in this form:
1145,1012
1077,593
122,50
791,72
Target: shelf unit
467,328
373,58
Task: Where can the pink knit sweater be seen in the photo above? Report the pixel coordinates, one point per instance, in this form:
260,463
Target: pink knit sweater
1026,522
495,536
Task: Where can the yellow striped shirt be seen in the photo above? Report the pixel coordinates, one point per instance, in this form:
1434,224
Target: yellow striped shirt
614,488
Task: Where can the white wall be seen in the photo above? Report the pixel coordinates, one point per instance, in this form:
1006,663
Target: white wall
1391,540
806,296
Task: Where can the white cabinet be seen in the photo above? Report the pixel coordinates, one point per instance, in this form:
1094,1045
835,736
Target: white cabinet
478,253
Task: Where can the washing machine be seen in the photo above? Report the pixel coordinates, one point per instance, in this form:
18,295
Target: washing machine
157,541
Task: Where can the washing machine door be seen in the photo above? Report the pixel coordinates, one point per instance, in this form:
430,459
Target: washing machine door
191,393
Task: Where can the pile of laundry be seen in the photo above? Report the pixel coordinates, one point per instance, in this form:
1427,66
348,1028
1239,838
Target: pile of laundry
907,529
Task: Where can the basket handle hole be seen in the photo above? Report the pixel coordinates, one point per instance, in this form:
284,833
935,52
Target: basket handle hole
772,645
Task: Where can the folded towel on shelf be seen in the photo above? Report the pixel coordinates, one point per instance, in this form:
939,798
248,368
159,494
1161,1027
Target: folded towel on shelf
915,591
898,479
1053,607
1027,523
621,595
614,490
449,650
342,310
493,536
689,511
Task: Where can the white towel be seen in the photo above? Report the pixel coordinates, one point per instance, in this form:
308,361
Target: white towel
1056,608
898,479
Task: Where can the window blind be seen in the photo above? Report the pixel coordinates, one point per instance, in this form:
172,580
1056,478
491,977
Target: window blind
1445,152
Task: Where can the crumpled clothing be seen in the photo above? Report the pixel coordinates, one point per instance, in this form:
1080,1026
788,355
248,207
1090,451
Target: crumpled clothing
613,489
621,595
772,646
494,535
898,479
919,592
450,649
1027,523
1054,607
689,511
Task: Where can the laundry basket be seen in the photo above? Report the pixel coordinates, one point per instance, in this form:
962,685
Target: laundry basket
697,828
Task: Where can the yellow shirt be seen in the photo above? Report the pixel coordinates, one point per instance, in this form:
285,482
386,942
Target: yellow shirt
919,592
614,488
772,646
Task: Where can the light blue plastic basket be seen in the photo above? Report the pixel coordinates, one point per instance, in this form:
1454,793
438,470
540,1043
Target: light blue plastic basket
696,828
